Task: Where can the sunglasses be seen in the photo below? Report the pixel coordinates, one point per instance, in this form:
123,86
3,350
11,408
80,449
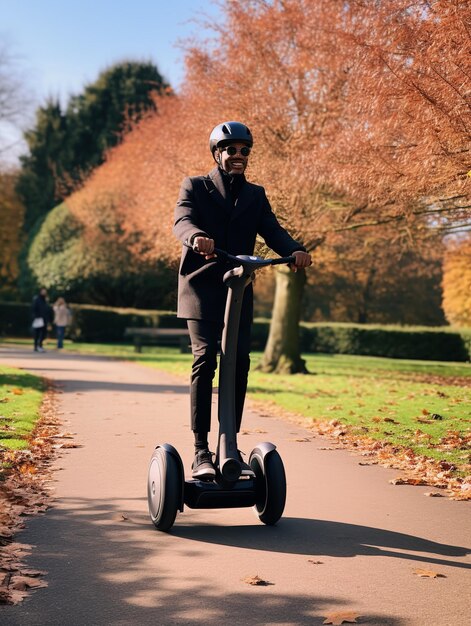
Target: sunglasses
232,150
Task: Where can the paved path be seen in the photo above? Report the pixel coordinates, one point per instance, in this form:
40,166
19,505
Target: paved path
106,570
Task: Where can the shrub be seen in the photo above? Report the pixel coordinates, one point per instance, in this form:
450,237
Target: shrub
96,266
393,342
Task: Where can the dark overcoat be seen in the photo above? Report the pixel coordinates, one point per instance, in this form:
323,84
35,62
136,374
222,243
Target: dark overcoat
204,208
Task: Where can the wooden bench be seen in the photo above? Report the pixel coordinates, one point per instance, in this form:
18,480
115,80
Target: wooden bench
162,336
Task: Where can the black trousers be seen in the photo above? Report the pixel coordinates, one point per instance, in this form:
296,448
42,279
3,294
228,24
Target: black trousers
39,336
205,337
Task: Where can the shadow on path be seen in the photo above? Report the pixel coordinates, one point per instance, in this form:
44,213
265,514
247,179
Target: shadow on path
52,364
103,569
325,538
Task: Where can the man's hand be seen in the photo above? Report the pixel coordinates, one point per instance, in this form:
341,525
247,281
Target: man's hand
302,259
204,246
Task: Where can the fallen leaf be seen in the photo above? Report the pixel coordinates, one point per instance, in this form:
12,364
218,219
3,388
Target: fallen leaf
28,468
339,617
256,580
425,573
433,494
5,532
33,572
17,391
408,481
446,465
22,583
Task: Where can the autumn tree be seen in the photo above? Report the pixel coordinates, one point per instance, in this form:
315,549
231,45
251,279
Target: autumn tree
368,276
139,183
359,116
374,282
142,176
65,145
96,265
359,110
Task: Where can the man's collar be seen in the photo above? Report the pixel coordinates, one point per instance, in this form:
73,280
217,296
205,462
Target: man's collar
231,177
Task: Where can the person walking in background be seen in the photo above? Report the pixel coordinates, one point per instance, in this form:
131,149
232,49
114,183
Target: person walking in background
41,312
62,317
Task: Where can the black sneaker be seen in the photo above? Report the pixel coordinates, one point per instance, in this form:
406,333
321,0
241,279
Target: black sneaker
203,467
246,469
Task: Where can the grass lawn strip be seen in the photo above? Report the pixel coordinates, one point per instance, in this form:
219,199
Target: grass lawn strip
430,420
28,431
20,399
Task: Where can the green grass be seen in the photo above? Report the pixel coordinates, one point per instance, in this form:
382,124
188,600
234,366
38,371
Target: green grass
386,399
380,398
20,398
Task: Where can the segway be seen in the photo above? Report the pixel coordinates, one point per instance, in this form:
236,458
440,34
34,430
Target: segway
167,490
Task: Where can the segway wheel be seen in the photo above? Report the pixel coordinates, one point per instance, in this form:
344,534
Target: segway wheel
163,489
270,480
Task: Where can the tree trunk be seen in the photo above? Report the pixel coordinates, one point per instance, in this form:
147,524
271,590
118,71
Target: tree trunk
366,297
282,353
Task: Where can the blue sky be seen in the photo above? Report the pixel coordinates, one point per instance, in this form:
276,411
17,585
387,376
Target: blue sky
64,45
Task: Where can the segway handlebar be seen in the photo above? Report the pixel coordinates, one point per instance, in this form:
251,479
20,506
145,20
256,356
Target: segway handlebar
248,259
255,260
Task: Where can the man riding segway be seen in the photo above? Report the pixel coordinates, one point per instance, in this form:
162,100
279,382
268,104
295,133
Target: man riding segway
225,211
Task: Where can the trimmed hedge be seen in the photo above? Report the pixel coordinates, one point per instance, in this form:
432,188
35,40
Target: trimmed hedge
106,324
423,343
15,319
393,342
89,323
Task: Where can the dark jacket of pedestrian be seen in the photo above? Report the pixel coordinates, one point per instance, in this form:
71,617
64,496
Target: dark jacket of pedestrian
41,308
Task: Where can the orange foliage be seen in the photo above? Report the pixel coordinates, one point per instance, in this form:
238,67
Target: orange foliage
358,111
457,282
368,99
409,118
141,177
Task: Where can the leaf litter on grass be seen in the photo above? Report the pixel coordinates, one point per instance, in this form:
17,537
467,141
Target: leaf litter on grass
401,421
24,491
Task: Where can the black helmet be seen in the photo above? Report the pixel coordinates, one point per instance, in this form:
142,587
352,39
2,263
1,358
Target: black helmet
229,132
